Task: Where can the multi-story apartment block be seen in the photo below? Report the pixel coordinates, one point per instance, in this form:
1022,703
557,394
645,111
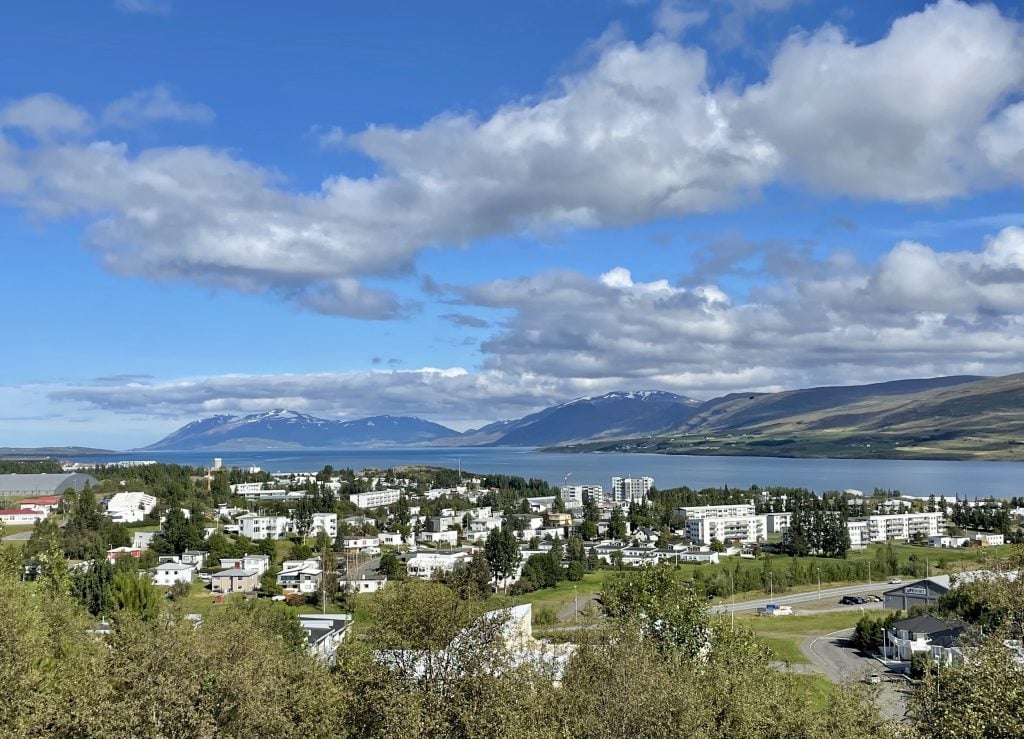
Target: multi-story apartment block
631,489
258,528
778,522
375,498
575,495
718,511
858,533
327,522
901,526
740,527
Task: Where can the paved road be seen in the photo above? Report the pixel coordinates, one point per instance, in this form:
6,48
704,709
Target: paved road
827,595
20,536
834,655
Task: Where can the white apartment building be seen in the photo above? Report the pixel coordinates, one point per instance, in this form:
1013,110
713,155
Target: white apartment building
437,538
375,498
258,563
858,534
324,522
778,522
130,507
902,526
574,496
718,511
171,573
631,489
740,527
367,544
258,528
246,487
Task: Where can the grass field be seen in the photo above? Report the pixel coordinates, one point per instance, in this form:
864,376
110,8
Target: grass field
784,649
818,690
784,634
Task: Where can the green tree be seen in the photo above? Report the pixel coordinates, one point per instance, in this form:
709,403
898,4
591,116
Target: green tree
502,552
617,525
133,594
391,566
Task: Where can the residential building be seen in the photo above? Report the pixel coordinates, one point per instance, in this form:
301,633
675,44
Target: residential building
327,522
947,542
559,519
246,487
540,504
718,511
235,580
22,516
937,637
48,503
392,539
171,573
437,538
778,523
574,496
901,526
259,528
302,576
367,544
741,528
130,507
117,552
858,531
923,593
375,498
630,489
324,633
142,539
367,584
425,564
260,563
989,540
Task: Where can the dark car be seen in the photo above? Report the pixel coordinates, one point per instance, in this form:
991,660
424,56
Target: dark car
848,600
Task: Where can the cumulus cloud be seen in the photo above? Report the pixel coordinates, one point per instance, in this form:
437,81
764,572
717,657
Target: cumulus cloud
155,104
922,115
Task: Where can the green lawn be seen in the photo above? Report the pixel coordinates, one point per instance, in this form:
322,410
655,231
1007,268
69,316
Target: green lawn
811,625
818,690
784,649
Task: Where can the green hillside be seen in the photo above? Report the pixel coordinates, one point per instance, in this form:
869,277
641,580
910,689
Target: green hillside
942,418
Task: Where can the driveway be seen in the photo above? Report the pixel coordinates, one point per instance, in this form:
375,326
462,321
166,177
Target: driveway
835,657
20,536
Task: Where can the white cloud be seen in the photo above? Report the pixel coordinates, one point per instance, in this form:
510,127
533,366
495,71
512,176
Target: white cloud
44,115
920,116
673,19
155,104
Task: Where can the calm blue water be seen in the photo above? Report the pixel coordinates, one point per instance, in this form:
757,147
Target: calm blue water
999,479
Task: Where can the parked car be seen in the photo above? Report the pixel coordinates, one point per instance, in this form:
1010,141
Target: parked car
205,576
277,597
874,598
895,581
848,600
873,679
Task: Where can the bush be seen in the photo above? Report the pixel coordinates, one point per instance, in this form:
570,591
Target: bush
544,616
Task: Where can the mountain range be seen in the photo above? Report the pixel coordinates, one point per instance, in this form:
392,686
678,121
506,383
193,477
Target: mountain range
960,417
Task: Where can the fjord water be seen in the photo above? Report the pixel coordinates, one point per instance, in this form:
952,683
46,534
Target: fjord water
973,479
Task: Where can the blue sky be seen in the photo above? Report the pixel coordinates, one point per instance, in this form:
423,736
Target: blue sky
466,211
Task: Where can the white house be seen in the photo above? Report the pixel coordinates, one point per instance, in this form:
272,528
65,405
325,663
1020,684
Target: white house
392,539
327,522
437,538
367,584
258,563
22,516
947,542
130,507
425,564
301,576
171,573
324,632
366,544
990,540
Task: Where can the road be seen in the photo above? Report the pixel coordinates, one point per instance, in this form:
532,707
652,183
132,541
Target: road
20,536
836,657
828,595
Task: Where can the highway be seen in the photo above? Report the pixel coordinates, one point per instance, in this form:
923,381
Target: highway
828,595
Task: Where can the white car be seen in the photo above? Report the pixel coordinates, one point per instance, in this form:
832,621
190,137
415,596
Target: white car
873,679
277,597
205,576
895,581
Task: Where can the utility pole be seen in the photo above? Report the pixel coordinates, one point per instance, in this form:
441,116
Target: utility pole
576,605
869,573
732,611
771,586
819,582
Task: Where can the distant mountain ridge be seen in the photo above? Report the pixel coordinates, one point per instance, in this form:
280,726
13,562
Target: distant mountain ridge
959,417
283,429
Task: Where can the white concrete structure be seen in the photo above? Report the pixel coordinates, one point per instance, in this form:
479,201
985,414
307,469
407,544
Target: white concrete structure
376,498
631,489
325,522
22,516
366,584
901,526
300,576
425,564
258,563
858,531
574,496
718,511
259,528
778,522
990,540
438,538
947,542
130,507
367,544
741,528
171,573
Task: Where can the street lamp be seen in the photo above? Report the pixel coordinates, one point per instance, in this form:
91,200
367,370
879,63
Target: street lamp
732,611
771,587
869,573
576,605
819,582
